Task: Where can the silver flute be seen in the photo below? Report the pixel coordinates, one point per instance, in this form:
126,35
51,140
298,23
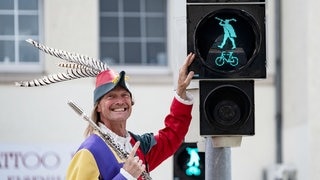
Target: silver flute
105,136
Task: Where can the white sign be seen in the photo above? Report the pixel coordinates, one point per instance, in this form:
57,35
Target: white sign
35,162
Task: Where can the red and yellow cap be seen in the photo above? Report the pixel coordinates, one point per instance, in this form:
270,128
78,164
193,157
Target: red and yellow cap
106,81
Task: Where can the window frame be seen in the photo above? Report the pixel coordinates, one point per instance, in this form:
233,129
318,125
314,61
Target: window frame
141,69
18,67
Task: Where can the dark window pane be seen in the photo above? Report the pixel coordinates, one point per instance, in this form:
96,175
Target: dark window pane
133,53
28,25
156,54
6,25
131,5
28,53
109,27
121,24
6,51
155,27
28,5
132,27
109,5
155,6
6,4
109,52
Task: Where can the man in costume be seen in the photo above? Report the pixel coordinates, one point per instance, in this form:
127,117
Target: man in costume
96,158
113,105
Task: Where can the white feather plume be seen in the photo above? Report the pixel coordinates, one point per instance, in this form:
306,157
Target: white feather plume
78,66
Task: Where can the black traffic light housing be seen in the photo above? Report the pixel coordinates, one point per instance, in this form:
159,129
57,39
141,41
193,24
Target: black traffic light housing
227,107
228,38
188,163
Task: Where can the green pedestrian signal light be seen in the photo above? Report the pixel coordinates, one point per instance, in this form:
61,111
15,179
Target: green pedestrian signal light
228,32
189,163
228,39
193,163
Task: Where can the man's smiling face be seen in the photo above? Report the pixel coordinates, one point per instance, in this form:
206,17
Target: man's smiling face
115,106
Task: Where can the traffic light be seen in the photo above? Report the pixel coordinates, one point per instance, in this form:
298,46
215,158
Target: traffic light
227,107
189,163
228,38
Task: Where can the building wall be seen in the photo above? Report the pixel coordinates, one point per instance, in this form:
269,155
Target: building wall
301,87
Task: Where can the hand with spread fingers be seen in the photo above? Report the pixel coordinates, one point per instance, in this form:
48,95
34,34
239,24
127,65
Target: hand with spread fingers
185,77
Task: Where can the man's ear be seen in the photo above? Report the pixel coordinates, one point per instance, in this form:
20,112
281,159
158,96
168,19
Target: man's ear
98,109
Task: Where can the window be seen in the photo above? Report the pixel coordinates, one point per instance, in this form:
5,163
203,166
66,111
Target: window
19,20
133,32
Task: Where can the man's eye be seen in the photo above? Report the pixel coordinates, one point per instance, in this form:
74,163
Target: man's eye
126,95
110,97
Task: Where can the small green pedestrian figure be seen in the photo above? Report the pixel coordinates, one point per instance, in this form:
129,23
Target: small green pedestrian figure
229,32
193,164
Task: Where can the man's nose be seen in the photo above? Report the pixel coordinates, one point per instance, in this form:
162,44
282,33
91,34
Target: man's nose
120,100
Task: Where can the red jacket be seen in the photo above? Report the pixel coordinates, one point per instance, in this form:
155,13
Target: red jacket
168,139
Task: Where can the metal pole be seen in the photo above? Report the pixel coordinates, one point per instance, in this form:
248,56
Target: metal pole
218,162
278,82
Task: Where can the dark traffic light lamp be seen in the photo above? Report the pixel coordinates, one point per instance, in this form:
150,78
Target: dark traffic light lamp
228,38
227,107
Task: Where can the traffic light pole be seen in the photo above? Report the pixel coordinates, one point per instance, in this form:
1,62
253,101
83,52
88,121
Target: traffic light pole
218,162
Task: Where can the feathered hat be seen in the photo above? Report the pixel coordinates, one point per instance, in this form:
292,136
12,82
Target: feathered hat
79,66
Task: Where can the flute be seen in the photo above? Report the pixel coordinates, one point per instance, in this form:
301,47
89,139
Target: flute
105,136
